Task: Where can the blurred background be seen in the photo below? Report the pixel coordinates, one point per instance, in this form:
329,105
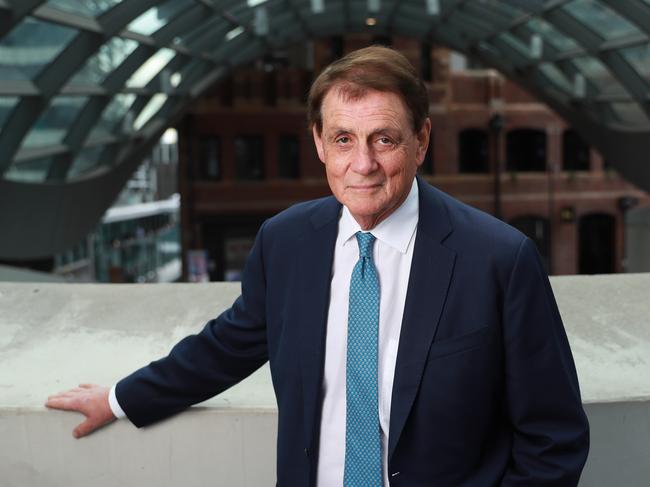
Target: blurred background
146,141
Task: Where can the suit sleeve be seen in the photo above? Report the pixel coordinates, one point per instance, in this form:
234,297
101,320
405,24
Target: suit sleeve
228,349
550,429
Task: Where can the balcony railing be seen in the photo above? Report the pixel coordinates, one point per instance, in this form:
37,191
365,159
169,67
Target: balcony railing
54,336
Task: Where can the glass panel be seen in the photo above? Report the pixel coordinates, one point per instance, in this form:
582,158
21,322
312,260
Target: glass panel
87,160
600,19
249,157
7,103
112,116
149,110
472,26
551,35
494,12
157,17
526,150
490,49
214,27
191,70
515,43
289,157
150,68
597,73
52,125
639,57
630,113
575,152
556,76
473,152
108,57
34,171
91,8
210,157
30,46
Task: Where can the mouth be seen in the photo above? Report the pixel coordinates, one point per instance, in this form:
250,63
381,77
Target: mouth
364,187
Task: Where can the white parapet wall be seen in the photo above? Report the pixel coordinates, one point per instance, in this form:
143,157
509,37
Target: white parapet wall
55,336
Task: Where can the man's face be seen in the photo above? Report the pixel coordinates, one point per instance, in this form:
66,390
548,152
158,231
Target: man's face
370,152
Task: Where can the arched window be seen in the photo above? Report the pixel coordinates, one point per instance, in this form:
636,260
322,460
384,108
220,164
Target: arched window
597,244
537,229
473,151
526,150
575,152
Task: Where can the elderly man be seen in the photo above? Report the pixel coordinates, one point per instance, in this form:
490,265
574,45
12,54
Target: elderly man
412,340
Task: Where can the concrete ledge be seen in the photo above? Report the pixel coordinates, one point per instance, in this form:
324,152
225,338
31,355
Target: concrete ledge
53,336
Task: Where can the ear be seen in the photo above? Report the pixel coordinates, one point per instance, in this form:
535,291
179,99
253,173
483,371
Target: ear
423,141
318,142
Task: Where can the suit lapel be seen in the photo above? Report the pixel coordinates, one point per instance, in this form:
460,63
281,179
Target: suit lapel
431,271
314,259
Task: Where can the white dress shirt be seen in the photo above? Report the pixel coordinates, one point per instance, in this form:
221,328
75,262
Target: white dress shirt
392,254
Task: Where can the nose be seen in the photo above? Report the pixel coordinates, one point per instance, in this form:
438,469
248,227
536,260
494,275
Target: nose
364,161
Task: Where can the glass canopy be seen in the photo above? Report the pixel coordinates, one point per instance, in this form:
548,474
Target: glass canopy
81,79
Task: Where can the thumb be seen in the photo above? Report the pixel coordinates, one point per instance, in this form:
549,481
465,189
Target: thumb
84,429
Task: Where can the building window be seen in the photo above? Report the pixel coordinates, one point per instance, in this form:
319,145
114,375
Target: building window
249,157
597,244
336,47
473,151
575,152
289,157
526,150
426,68
210,158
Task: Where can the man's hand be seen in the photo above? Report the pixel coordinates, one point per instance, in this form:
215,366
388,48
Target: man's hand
91,400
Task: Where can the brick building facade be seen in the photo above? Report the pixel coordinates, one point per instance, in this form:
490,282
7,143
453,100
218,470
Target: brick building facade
245,154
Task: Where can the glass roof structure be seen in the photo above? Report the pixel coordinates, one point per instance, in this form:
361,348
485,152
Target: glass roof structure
88,86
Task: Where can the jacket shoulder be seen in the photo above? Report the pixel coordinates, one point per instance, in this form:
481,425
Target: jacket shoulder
470,224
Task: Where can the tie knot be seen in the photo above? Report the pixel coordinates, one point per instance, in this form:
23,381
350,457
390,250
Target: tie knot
365,241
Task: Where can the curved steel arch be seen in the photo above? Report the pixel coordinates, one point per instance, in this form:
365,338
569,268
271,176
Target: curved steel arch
206,39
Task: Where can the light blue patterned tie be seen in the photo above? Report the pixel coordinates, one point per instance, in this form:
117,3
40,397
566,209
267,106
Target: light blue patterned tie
362,433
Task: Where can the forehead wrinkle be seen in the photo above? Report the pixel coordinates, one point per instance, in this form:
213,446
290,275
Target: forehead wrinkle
364,116
346,120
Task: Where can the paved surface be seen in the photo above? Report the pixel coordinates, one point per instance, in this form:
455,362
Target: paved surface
60,335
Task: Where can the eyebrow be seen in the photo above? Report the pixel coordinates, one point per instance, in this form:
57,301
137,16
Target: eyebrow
381,130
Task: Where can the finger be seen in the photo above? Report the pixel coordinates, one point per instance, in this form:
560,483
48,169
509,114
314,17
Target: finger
83,429
69,392
62,395
64,403
87,386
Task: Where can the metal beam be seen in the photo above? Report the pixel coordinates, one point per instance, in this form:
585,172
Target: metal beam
299,19
66,19
18,123
634,12
117,18
591,42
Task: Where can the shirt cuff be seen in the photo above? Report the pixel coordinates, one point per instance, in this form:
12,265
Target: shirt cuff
117,410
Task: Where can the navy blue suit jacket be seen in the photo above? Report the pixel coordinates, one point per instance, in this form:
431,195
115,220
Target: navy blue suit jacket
485,390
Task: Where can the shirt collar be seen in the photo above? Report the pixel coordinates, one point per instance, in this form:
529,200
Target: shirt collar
395,231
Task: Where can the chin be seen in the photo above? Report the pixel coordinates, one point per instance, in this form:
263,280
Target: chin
364,211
